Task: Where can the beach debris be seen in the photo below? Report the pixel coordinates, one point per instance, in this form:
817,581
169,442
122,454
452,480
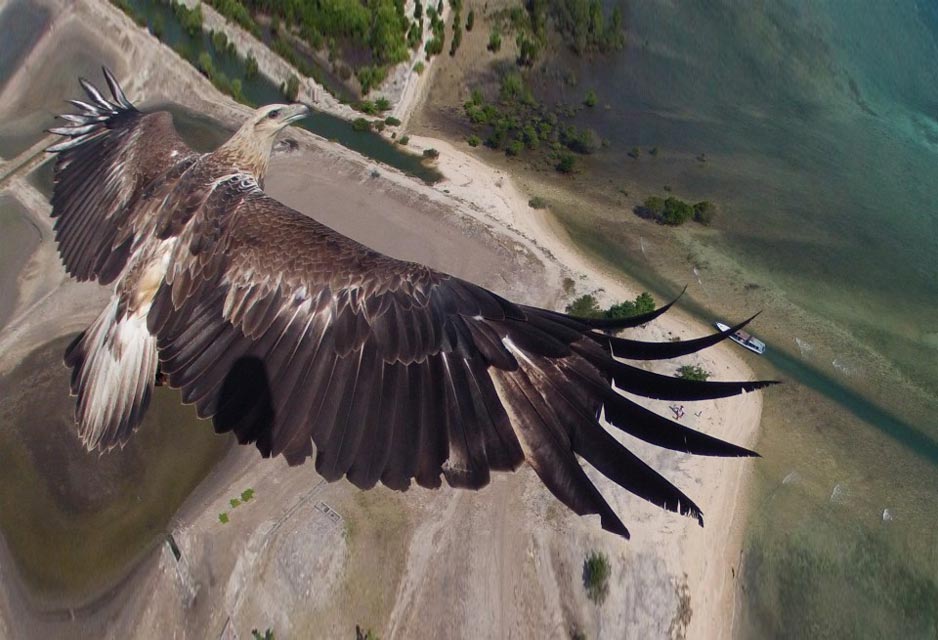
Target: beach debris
845,368
839,494
806,348
888,515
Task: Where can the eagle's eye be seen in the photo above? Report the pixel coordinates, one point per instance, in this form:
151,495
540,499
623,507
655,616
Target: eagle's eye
274,114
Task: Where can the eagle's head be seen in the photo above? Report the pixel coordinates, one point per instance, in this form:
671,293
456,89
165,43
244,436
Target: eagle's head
250,147
269,120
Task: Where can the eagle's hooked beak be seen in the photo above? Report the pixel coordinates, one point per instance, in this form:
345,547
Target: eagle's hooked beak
295,112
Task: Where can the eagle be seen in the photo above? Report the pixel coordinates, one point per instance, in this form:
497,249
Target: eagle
308,344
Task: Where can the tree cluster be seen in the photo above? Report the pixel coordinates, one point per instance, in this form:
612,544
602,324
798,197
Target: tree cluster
674,211
378,28
586,306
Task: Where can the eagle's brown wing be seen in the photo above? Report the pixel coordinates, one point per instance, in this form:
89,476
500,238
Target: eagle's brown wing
112,155
299,339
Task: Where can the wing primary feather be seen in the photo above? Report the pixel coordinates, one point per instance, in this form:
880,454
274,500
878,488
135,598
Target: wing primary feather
639,350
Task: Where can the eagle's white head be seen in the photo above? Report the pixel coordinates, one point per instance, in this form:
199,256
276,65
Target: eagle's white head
250,147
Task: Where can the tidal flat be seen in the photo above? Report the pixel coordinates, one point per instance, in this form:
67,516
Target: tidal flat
73,520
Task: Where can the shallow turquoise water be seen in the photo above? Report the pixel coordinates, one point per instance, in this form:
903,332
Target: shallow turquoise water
819,122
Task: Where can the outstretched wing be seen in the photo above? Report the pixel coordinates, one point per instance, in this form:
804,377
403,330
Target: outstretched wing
112,154
299,339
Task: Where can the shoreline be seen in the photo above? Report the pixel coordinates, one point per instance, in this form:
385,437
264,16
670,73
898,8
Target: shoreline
488,198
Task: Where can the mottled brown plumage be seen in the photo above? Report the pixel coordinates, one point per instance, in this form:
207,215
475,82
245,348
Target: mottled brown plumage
305,342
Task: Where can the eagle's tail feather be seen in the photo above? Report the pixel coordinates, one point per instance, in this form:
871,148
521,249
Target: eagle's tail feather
114,365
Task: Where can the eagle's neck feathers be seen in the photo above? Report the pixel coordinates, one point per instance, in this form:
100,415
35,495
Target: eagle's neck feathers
247,152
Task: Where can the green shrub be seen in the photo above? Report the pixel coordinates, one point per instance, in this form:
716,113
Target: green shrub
537,202
692,372
382,104
470,20
367,107
596,572
676,212
223,517
514,148
634,153
590,99
431,153
361,124
419,67
585,307
566,163
495,42
474,140
391,121
405,140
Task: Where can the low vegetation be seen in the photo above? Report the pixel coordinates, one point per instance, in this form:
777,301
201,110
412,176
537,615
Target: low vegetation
596,572
256,635
537,202
692,372
431,154
516,123
586,306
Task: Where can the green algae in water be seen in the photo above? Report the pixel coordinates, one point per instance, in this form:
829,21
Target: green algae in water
75,522
832,578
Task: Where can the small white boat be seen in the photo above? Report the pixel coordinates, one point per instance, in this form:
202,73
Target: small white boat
744,339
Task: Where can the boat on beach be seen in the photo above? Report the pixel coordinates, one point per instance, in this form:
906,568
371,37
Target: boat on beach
744,339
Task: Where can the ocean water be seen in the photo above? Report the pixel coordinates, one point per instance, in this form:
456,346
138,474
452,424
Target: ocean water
819,125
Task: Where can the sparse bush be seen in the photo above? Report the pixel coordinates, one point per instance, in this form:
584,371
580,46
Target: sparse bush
432,154
419,67
537,202
634,153
223,517
704,212
361,124
391,121
596,571
292,88
474,140
470,20
250,67
382,104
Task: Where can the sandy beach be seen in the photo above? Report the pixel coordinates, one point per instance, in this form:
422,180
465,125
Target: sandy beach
313,560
